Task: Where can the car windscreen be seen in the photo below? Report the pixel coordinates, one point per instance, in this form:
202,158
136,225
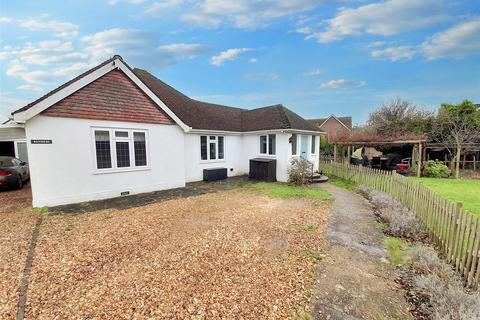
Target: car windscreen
6,162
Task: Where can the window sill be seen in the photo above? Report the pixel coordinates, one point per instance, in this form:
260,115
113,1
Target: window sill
102,171
212,161
267,155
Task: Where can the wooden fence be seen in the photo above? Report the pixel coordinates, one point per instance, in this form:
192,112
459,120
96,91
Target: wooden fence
454,231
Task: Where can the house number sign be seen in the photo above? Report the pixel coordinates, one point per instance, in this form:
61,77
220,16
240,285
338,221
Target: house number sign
41,141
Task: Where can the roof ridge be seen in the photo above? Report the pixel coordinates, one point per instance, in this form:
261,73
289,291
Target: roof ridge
281,109
184,95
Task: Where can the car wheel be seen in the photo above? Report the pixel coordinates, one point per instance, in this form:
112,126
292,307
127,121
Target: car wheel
20,182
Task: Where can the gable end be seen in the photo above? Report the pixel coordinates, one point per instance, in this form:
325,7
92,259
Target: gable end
113,96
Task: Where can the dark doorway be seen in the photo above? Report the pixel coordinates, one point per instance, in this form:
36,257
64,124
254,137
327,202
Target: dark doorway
7,148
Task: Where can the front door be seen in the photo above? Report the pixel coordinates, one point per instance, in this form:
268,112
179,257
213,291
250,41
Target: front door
304,146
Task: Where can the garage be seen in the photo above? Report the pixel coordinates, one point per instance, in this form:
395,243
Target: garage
12,140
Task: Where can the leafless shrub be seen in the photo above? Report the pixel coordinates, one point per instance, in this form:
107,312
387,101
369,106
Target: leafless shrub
299,171
364,192
449,300
402,222
425,260
435,279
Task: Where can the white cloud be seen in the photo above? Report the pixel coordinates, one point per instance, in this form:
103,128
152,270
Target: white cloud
30,87
5,19
262,76
201,20
59,28
457,42
253,60
312,73
114,2
304,30
51,62
394,53
382,18
376,44
248,14
162,5
342,84
9,102
230,54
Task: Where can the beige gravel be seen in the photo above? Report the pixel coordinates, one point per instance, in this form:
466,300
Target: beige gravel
17,220
231,254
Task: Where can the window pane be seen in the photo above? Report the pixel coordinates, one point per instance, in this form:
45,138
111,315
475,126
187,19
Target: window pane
263,144
203,147
294,144
123,154
213,137
140,148
121,134
102,149
213,151
220,147
313,144
271,143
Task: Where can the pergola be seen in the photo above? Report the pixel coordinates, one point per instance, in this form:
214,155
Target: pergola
349,144
471,149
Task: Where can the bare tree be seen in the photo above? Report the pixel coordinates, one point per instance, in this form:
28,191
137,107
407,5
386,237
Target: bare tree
454,126
400,116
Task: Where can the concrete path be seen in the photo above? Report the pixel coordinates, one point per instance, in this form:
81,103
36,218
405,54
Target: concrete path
355,280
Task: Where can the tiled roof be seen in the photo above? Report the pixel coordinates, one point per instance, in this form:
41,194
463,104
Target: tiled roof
194,113
208,116
347,121
111,97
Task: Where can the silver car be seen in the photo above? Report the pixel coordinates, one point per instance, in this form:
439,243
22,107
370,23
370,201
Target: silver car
13,172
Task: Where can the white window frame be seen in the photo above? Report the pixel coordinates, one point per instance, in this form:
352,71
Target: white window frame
268,145
208,148
113,150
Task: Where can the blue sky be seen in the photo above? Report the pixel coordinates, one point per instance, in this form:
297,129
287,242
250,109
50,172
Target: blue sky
316,57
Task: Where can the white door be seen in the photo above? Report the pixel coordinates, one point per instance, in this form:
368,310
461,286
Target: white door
304,147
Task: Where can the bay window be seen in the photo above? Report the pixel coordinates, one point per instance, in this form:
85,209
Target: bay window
120,149
212,148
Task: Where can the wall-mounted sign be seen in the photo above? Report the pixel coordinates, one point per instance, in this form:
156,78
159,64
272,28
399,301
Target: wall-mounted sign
41,141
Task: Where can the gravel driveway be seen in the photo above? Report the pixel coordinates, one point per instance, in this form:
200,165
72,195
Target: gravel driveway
230,254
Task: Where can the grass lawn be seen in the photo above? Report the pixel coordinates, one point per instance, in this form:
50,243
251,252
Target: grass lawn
462,190
342,183
283,190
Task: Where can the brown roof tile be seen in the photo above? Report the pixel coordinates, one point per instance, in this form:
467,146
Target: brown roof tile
111,97
209,116
196,114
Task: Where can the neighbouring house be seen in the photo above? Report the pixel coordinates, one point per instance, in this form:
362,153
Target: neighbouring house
12,140
116,131
334,126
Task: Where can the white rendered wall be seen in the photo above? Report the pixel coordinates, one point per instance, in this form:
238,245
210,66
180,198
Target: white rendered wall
251,148
234,157
64,172
313,158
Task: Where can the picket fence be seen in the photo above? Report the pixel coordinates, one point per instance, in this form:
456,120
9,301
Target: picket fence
454,231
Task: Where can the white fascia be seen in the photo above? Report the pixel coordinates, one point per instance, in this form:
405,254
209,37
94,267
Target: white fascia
22,117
